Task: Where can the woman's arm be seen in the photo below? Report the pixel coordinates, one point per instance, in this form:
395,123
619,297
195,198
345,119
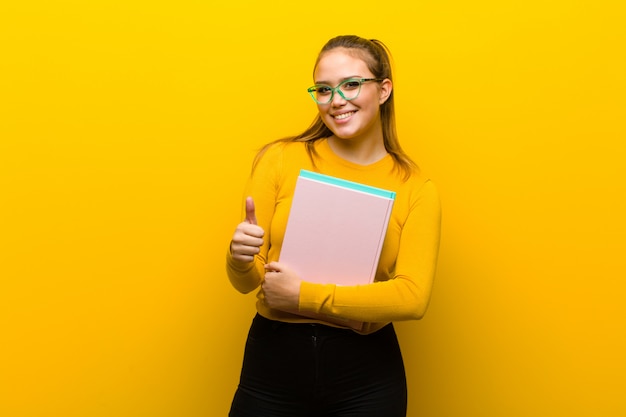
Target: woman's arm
248,249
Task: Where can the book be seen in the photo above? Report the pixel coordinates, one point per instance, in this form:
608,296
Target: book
335,231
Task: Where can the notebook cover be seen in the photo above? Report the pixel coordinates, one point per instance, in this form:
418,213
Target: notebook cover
335,231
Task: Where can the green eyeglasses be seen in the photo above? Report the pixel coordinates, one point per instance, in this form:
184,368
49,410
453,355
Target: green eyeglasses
348,89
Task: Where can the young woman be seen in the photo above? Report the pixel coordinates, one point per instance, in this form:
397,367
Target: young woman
296,366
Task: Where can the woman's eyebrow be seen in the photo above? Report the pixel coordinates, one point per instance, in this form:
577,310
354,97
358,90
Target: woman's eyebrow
342,79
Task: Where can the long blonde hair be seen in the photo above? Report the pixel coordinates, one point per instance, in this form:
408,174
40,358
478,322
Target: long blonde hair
377,57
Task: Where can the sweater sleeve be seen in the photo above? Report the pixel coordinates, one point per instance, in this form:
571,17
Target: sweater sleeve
407,294
262,186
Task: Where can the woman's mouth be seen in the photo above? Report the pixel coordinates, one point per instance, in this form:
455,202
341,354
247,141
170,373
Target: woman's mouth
343,115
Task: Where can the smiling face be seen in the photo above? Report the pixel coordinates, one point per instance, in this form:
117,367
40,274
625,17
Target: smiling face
357,119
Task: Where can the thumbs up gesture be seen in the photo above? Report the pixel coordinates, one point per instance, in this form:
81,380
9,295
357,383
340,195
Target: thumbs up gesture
248,237
250,212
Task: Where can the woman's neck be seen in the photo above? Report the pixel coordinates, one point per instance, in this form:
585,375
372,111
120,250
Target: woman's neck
362,152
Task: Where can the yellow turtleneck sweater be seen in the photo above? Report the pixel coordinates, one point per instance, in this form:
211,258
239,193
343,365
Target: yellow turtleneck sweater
406,269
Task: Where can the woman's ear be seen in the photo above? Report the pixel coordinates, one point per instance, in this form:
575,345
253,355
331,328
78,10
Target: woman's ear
386,86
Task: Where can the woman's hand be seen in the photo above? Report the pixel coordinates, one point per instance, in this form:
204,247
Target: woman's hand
281,287
248,237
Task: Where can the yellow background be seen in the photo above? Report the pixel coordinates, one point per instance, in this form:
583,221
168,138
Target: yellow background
127,129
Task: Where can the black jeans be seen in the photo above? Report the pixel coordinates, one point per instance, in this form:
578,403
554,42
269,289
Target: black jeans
300,370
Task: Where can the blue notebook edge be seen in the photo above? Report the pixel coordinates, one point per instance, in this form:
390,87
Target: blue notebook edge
339,182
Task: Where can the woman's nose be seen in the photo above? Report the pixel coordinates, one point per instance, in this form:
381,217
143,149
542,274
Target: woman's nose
337,100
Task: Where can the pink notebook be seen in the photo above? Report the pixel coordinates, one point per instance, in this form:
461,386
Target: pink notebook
335,231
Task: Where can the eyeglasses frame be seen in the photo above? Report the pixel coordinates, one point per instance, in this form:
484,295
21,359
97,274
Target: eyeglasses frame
311,90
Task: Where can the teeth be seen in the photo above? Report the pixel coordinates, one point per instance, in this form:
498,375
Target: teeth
344,115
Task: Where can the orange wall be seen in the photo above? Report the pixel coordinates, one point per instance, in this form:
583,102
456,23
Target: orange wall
126,132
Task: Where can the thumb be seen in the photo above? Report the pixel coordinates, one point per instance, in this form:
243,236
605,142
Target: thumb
250,212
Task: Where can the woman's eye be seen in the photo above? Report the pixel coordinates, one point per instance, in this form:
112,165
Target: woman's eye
322,89
351,85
